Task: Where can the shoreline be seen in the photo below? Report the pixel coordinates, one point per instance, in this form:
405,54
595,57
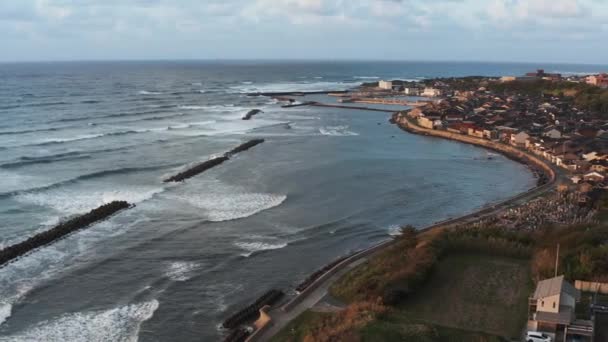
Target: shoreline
291,308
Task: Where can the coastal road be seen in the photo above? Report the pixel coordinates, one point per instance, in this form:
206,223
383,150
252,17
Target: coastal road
281,317
308,299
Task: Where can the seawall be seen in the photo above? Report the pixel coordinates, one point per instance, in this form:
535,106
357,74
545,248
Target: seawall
403,122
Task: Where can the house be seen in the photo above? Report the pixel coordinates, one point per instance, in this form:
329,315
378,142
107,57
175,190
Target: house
552,310
431,92
600,80
519,139
593,177
553,134
386,85
412,91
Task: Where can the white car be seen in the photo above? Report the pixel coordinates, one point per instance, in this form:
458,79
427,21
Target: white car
535,336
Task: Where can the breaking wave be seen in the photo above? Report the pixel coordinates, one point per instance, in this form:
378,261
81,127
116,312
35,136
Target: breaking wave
254,247
221,202
181,270
119,324
146,92
75,202
337,131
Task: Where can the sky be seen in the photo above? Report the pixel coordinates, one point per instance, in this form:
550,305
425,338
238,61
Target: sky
569,31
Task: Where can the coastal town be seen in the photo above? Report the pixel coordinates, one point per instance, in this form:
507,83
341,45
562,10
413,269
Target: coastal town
556,125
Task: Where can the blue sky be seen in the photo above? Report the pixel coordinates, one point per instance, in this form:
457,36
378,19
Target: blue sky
574,31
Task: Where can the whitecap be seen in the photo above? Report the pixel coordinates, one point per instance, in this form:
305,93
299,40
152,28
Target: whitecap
253,247
145,92
337,131
294,86
120,324
181,270
197,84
367,77
394,230
76,202
223,202
5,312
188,107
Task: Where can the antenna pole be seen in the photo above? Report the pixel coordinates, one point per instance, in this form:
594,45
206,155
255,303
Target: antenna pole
557,260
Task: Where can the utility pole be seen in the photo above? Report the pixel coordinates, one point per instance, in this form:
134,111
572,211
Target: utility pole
557,260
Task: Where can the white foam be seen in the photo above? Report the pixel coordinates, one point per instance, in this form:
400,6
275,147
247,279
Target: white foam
119,324
337,131
223,202
145,92
367,77
294,86
5,312
189,107
394,230
197,84
71,202
253,247
12,181
181,270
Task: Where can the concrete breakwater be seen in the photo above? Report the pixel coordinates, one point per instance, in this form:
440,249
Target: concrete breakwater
211,163
244,147
252,113
199,168
313,277
238,335
61,230
252,312
298,93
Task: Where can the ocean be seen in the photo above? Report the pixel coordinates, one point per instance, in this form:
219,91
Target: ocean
325,183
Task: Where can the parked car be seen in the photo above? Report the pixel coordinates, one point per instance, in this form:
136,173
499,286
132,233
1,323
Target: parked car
535,336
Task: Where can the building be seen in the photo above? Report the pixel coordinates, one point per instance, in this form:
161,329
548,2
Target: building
519,139
541,74
431,92
412,91
593,177
386,85
508,79
553,134
552,310
600,80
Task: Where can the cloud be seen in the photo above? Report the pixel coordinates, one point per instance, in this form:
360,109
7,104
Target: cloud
69,29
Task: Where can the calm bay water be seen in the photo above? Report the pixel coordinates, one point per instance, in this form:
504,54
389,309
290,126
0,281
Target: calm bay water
326,182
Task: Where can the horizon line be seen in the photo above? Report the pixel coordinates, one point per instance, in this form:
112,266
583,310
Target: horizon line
275,60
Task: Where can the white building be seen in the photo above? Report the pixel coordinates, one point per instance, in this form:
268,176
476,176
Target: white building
386,85
431,92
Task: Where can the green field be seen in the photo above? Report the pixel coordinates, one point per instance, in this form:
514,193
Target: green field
474,292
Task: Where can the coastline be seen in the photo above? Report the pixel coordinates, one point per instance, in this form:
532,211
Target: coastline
276,319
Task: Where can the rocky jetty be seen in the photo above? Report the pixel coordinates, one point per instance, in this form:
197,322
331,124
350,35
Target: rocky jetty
252,312
244,147
238,335
199,168
61,230
211,163
251,113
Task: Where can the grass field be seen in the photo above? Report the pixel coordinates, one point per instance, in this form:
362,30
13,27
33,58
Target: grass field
474,292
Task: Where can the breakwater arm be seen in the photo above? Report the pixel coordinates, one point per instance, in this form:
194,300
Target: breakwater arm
61,230
244,147
211,163
200,168
251,113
